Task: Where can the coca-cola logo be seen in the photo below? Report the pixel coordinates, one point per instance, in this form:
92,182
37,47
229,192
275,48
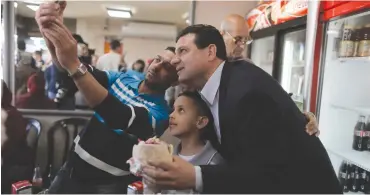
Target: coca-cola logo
300,5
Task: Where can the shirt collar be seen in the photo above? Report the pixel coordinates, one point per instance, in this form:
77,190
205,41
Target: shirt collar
210,89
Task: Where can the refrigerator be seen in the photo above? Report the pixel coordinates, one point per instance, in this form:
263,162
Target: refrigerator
278,30
343,96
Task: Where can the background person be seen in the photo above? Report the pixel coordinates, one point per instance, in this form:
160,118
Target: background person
111,61
35,98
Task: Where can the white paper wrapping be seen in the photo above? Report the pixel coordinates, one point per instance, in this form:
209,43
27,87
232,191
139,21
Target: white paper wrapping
152,150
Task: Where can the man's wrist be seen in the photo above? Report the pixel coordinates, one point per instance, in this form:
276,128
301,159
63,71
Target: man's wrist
73,68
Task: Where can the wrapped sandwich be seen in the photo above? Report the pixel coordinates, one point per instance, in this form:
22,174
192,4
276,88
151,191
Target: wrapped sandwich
152,150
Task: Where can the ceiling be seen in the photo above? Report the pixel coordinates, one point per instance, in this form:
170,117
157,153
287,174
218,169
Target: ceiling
154,11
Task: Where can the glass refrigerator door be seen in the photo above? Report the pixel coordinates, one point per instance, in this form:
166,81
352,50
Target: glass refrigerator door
292,70
263,53
344,102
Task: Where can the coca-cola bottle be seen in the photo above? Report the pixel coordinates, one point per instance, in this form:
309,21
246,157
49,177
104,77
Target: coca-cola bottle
37,181
367,183
358,134
363,180
350,176
343,176
367,135
356,180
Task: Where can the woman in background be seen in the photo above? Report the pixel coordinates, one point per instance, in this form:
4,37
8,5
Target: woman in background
35,98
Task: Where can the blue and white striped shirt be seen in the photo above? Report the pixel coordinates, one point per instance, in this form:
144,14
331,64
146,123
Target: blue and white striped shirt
126,89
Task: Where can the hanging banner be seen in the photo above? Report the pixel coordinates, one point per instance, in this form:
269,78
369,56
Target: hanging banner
269,13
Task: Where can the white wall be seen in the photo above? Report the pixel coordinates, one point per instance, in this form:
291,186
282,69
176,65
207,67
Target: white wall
93,32
142,48
212,12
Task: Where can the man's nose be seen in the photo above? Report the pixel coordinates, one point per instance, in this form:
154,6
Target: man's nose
175,61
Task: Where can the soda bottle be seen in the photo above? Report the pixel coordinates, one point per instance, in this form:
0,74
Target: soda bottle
350,175
356,180
343,176
363,180
367,183
358,134
367,135
37,181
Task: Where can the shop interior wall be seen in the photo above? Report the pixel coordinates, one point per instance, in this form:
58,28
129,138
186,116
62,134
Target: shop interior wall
94,30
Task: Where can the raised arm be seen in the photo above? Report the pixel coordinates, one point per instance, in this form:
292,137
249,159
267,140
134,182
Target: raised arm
115,114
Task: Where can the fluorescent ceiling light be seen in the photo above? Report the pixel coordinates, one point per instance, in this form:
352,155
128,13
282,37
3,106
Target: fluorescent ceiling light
32,6
116,13
15,4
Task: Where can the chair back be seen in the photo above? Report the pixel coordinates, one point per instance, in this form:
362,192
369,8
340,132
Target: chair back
33,132
60,139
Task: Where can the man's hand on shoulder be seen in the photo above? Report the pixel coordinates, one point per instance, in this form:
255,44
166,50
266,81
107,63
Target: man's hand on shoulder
312,125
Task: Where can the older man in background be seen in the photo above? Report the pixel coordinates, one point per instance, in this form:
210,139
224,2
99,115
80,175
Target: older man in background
234,31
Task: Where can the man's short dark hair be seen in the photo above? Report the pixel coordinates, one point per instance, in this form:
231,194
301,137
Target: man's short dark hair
142,63
38,52
204,36
78,38
170,48
115,44
203,110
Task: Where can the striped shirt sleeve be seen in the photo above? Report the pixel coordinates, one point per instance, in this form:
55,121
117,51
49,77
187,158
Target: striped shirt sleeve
136,120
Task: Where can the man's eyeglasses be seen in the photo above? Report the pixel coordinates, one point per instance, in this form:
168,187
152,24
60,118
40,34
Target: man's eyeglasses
241,40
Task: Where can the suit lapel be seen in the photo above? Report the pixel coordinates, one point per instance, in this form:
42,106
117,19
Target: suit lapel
222,102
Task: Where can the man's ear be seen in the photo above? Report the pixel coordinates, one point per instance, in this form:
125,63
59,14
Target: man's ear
202,122
212,50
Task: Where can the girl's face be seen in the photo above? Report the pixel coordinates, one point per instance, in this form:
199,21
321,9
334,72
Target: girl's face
185,119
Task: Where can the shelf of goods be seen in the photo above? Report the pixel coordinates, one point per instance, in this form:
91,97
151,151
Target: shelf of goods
345,97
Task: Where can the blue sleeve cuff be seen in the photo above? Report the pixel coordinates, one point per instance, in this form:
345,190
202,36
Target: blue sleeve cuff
198,179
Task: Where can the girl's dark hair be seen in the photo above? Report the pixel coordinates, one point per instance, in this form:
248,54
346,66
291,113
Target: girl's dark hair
203,110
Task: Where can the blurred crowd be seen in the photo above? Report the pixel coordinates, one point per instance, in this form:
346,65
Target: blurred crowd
39,84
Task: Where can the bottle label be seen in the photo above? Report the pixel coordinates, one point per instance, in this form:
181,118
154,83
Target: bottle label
346,48
364,48
363,175
359,133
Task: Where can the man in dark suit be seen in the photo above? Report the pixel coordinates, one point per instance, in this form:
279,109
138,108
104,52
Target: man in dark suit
259,128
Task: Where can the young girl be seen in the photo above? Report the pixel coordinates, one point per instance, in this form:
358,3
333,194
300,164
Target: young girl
190,121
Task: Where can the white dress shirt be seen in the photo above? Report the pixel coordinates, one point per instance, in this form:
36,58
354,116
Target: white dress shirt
210,94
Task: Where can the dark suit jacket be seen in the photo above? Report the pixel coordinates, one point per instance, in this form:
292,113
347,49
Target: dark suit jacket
263,140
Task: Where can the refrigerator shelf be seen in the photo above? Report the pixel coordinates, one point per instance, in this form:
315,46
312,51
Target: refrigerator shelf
360,159
354,59
353,193
358,109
